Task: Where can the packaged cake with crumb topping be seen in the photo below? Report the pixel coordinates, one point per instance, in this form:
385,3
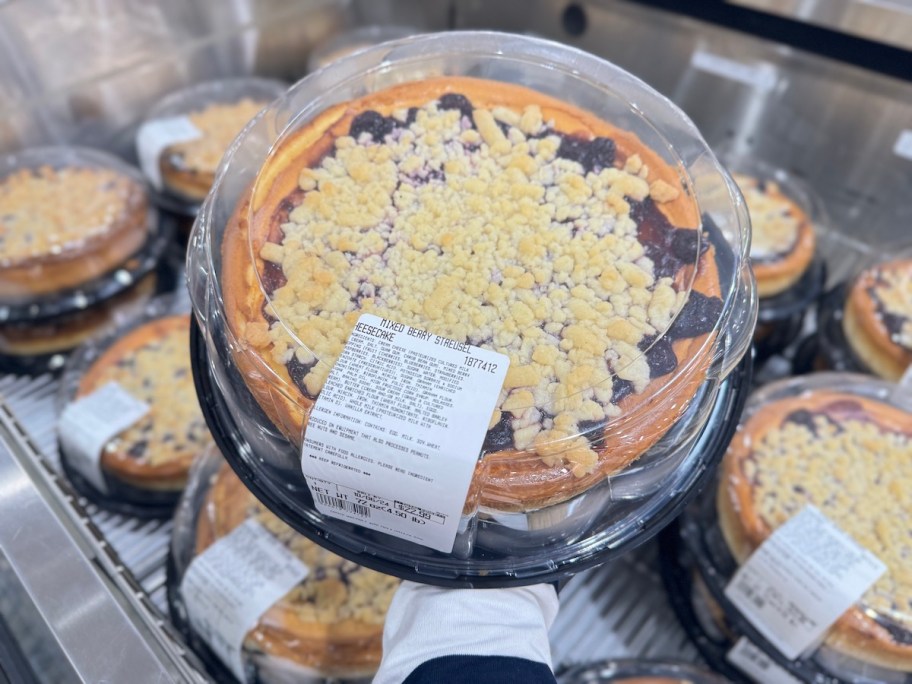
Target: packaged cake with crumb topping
184,137
326,621
841,446
130,424
468,271
68,217
789,249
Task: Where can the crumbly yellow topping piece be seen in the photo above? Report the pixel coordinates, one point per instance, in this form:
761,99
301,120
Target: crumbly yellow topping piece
47,212
158,373
219,124
478,231
860,476
774,222
893,290
335,589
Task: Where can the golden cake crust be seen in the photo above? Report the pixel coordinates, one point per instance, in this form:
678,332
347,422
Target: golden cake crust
745,526
865,326
512,479
781,231
337,647
61,228
152,363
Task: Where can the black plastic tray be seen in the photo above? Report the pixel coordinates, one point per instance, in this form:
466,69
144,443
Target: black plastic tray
122,498
784,313
828,348
712,443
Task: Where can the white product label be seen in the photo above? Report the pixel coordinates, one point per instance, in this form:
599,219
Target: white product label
229,586
760,75
88,424
903,145
394,437
800,580
753,662
154,136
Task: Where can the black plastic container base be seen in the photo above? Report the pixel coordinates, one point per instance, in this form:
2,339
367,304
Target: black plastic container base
782,316
711,443
828,348
122,498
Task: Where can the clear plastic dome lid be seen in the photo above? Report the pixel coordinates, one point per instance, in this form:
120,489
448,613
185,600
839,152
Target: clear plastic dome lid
504,194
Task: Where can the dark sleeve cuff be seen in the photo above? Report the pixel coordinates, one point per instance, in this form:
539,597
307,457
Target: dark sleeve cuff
458,669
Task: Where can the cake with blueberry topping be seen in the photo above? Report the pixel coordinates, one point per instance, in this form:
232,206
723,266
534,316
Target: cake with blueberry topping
493,215
851,457
152,364
782,235
878,318
331,623
63,227
188,167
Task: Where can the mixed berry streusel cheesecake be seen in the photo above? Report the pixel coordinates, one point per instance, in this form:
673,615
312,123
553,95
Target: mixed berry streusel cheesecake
878,318
152,364
188,168
62,227
782,235
494,215
331,623
851,457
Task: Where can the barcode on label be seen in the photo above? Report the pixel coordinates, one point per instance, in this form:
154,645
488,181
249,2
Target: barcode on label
343,505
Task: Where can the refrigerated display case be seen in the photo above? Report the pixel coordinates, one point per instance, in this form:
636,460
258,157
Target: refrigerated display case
821,90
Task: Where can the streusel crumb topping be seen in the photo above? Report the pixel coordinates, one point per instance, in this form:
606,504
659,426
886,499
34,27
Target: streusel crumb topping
219,124
859,475
335,589
774,223
158,373
46,211
487,226
893,292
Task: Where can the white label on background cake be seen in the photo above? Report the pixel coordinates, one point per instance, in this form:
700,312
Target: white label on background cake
394,437
760,75
154,136
903,145
89,423
753,662
800,580
229,586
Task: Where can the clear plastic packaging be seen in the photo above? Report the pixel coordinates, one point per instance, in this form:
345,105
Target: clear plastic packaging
70,219
844,447
183,138
315,631
512,529
629,671
348,42
144,467
790,248
865,323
